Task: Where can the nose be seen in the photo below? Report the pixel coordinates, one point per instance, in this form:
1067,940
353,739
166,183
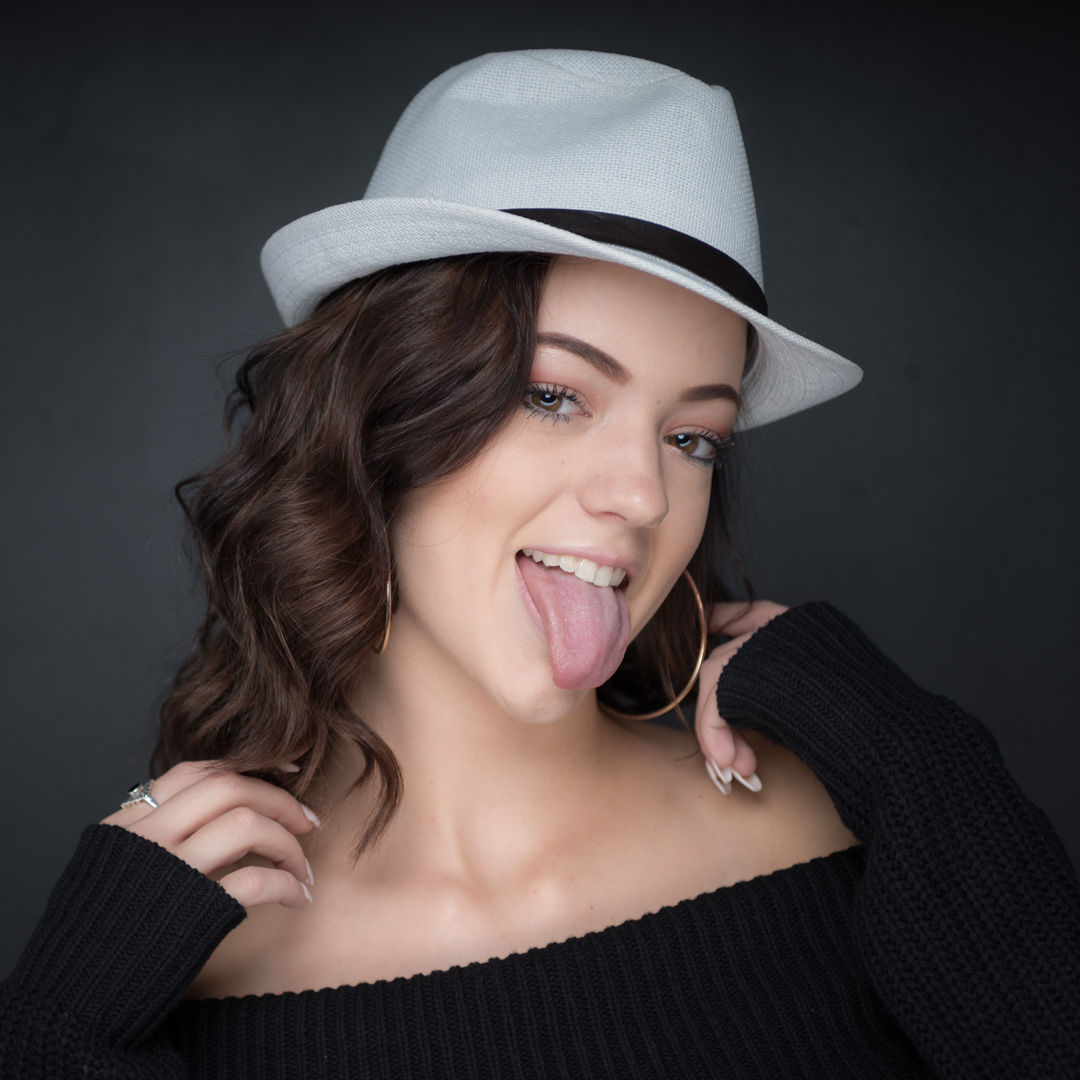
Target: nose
626,479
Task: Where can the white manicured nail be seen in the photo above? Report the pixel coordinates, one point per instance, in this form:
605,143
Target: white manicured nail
310,875
722,785
307,892
311,815
752,782
288,766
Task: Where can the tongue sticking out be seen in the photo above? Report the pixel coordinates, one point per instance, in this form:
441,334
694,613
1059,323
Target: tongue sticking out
587,626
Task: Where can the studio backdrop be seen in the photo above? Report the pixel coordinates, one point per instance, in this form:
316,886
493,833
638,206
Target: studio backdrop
915,179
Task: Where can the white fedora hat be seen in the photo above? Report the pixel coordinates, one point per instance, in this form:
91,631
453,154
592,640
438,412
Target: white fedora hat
574,153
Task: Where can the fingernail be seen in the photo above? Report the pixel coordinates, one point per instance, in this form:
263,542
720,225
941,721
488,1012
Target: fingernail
311,815
310,875
716,777
288,766
723,773
307,892
752,782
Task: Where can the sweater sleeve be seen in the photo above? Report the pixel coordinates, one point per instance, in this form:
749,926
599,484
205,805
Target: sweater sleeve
968,916
125,931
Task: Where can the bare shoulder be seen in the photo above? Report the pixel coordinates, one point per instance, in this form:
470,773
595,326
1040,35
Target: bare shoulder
745,834
793,818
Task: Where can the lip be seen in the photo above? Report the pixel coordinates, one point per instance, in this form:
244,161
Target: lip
601,558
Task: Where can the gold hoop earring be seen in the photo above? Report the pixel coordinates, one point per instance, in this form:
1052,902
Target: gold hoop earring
386,632
693,675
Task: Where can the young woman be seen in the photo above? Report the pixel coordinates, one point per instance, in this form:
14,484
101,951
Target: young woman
407,818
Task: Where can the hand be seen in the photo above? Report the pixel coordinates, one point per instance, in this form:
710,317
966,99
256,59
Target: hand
213,819
727,753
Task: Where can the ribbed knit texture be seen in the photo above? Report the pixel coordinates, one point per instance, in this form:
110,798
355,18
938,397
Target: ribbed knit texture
126,929
947,945
968,916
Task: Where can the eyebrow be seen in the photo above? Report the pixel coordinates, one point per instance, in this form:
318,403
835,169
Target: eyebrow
606,365
612,369
711,392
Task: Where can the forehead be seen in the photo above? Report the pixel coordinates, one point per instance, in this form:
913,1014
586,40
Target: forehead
642,320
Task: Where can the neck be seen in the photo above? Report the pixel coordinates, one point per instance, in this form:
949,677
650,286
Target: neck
487,794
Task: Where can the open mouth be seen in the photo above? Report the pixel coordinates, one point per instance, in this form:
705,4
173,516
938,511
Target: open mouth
585,569
580,607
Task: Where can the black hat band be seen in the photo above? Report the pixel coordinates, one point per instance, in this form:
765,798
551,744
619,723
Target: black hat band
691,254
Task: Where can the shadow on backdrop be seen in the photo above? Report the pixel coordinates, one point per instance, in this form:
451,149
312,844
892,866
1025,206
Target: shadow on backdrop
914,180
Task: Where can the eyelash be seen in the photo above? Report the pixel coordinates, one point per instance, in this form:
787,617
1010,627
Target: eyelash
721,446
555,391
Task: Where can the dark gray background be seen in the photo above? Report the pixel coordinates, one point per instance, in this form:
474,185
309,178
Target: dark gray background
916,178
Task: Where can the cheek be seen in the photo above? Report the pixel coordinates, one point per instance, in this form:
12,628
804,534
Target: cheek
676,541
429,554
451,541
689,510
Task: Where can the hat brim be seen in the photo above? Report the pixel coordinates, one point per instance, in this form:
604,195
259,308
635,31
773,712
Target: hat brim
309,258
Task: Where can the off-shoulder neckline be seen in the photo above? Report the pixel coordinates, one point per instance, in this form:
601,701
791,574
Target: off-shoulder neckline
852,854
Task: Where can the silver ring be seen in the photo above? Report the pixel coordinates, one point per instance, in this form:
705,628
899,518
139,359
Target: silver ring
140,793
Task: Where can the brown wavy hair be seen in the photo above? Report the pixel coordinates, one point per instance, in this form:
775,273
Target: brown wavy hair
397,380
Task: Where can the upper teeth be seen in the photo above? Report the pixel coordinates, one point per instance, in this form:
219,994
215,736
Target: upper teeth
585,569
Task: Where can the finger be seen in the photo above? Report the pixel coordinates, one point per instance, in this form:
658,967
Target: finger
726,748
724,612
254,885
731,758
128,815
214,794
713,666
734,619
716,739
239,832
720,777
718,745
744,767
181,775
722,654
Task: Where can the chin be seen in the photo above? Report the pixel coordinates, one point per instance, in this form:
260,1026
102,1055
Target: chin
545,705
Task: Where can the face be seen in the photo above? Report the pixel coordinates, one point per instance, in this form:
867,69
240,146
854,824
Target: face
633,391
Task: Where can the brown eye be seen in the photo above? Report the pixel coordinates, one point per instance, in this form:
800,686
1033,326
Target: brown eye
558,402
695,446
545,400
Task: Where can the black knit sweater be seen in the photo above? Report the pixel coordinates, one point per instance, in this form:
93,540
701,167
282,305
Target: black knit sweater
947,945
